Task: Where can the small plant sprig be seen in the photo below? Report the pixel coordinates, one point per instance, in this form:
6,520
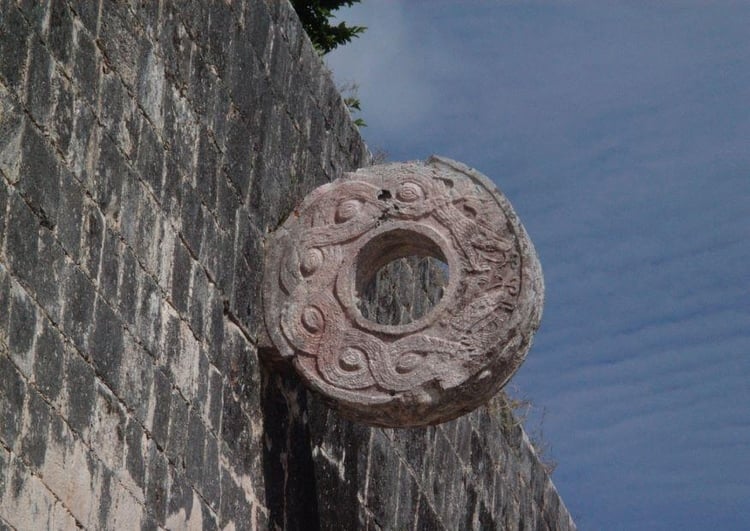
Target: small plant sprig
349,92
353,105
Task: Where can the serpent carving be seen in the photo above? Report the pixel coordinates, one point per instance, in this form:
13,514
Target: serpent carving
440,365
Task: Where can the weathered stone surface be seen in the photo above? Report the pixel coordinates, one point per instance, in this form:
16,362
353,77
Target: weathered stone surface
446,362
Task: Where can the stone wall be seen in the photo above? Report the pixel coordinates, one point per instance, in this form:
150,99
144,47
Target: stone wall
146,149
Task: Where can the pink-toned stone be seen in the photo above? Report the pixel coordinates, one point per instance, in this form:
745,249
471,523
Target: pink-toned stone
447,362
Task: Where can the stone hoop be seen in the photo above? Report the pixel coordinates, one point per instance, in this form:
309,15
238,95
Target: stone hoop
444,363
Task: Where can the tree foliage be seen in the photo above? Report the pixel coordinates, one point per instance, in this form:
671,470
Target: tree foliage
315,16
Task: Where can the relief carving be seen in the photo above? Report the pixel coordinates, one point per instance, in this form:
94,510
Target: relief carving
439,366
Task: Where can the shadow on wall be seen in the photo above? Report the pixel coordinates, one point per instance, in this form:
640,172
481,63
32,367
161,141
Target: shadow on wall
288,470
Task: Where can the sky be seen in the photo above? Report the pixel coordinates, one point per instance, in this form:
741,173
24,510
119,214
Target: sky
620,132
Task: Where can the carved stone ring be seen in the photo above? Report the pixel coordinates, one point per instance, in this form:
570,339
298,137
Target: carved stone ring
439,366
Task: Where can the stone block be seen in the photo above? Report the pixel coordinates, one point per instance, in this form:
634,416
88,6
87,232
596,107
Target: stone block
92,238
382,497
110,265
111,169
215,329
427,518
60,33
41,84
3,210
221,22
80,392
37,14
48,361
221,109
411,443
69,215
70,471
236,507
135,464
124,509
337,499
136,377
201,83
160,407
468,512
148,233
194,449
49,272
107,428
5,462
151,84
214,403
121,41
181,274
178,424
228,201
84,143
36,429
476,456
171,195
29,504
157,483
199,301
211,482
206,170
14,37
148,320
408,498
12,126
150,158
191,219
132,201
281,65
183,505
106,344
12,392
260,30
128,288
21,239
119,115
62,117
200,398
176,45
86,66
4,303
225,265
181,132
22,330
245,77
148,14
237,162
78,313
184,359
246,294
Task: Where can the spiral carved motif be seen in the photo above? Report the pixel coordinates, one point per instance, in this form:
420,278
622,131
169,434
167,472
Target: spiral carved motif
443,364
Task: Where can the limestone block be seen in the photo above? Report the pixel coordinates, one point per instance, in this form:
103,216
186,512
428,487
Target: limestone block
446,362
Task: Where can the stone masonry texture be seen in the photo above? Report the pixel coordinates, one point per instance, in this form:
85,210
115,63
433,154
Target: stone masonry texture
147,149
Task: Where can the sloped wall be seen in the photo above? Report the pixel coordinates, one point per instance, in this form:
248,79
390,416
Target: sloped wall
146,149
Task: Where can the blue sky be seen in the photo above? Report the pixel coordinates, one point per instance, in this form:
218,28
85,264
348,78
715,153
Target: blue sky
620,131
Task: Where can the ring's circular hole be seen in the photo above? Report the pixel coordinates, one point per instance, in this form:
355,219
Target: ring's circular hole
400,277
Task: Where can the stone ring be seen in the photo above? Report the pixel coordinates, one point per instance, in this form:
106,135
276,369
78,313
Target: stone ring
441,364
